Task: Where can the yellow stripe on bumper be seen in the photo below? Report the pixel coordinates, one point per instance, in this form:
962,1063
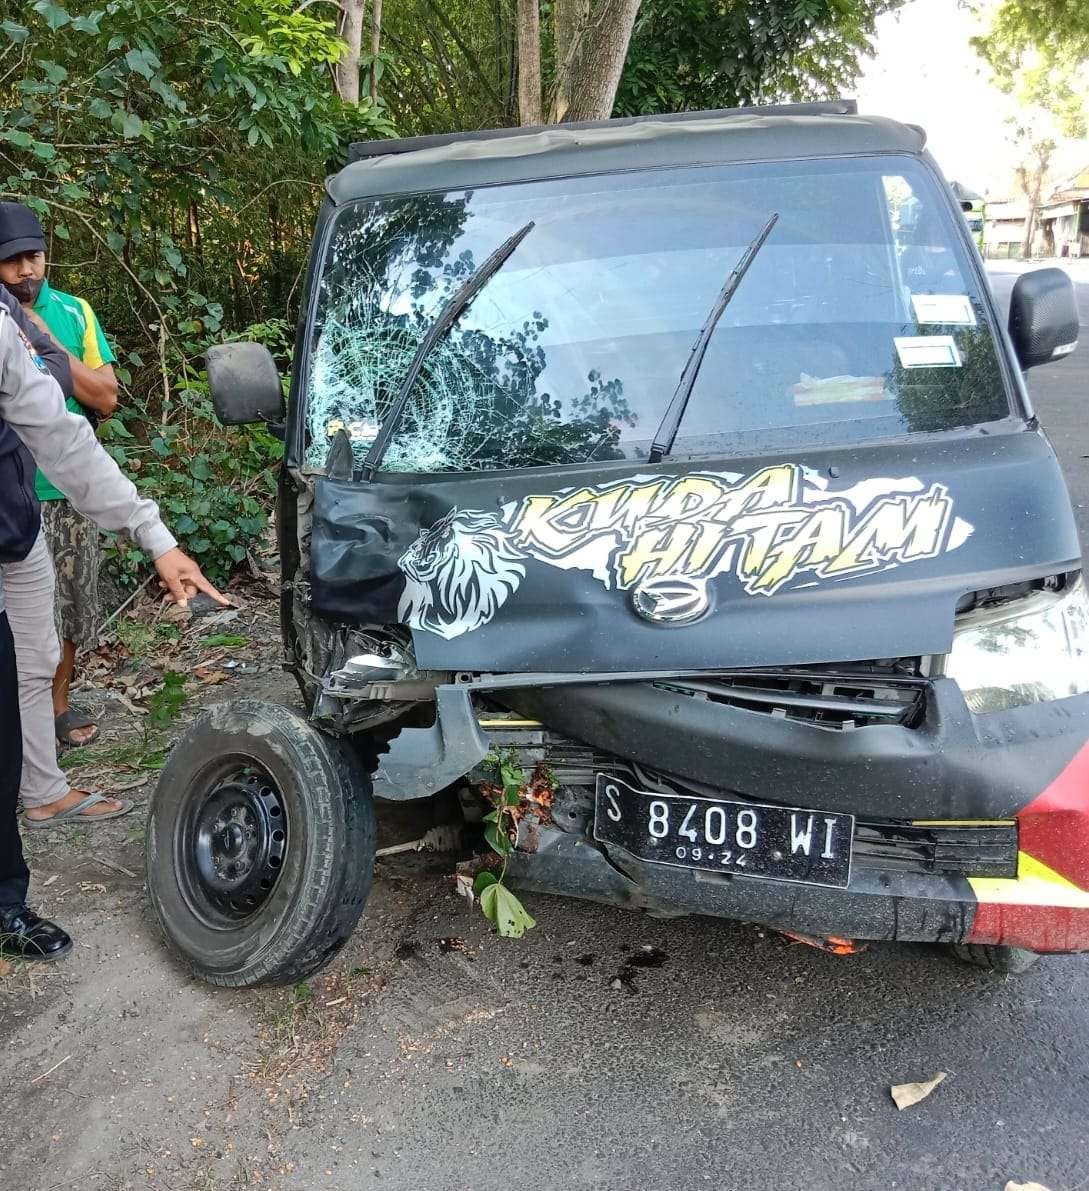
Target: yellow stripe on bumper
1036,885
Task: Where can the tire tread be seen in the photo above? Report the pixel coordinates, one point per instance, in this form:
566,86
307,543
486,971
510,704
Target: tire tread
325,911
995,957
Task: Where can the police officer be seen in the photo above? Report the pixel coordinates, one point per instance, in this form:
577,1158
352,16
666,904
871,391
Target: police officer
33,413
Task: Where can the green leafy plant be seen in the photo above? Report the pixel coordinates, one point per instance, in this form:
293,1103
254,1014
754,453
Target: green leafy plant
454,63
146,752
215,485
687,55
500,906
166,704
141,638
226,641
175,153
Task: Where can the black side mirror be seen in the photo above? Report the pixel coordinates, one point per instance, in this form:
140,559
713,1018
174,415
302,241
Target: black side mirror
1043,317
245,383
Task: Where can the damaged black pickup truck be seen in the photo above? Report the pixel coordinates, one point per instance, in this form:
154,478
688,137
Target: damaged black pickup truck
686,461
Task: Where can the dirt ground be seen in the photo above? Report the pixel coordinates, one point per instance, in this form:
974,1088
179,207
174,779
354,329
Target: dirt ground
121,1070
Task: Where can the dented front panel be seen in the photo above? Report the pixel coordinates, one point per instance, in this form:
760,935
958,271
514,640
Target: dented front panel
828,556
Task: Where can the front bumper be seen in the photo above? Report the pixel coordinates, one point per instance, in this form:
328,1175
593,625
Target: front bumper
1039,910
1030,765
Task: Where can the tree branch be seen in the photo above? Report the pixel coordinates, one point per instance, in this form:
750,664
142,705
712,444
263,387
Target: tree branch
470,58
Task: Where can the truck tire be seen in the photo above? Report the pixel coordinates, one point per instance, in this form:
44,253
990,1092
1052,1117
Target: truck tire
260,845
1011,960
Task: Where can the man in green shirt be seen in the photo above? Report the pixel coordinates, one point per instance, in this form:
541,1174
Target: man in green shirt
72,540
72,323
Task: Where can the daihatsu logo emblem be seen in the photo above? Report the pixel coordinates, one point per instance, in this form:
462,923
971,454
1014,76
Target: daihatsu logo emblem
672,600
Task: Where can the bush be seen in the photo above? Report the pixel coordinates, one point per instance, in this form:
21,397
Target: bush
215,485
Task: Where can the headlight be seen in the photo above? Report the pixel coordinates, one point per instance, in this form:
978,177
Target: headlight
1029,652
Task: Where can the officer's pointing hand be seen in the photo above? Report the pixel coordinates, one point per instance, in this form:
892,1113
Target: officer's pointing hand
182,579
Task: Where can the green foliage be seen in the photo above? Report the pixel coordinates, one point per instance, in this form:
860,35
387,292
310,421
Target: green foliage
147,752
141,638
691,54
226,641
178,146
505,911
500,906
501,822
1039,53
175,153
166,704
214,484
453,63
1053,33
449,64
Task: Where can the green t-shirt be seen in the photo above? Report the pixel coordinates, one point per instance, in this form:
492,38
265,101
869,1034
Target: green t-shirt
73,324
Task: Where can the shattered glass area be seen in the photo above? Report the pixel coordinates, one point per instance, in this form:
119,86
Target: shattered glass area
361,356
479,401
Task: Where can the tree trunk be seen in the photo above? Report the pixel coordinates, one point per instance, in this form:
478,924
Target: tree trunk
1033,188
1030,226
570,19
376,45
529,62
351,29
603,53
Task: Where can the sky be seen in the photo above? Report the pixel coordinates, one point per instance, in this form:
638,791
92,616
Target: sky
926,72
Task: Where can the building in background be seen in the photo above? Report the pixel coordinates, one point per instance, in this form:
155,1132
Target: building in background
1064,219
1004,227
1062,225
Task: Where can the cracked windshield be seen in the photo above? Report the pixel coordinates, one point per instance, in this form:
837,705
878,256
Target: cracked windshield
858,318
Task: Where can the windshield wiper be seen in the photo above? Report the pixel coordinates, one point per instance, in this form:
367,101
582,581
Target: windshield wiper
449,315
666,433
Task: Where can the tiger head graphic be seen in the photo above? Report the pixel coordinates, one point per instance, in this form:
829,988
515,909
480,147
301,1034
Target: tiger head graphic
458,574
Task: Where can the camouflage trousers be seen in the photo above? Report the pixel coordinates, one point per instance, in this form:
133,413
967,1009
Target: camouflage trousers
77,556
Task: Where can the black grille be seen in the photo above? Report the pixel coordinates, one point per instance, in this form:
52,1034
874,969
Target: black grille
969,849
960,850
829,698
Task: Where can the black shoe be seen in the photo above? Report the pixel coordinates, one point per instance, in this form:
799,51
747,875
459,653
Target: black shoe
23,935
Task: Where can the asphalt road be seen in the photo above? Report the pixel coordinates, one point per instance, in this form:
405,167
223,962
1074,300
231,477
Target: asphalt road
741,1061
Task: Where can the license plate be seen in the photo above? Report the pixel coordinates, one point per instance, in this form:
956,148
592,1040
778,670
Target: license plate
782,843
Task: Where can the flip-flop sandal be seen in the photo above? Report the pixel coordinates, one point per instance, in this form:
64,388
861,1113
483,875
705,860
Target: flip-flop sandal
72,720
75,813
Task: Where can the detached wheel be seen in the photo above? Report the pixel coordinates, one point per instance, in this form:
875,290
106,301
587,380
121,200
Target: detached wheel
260,845
1011,960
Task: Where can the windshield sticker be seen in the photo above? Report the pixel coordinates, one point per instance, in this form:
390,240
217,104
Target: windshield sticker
837,390
951,309
776,529
927,351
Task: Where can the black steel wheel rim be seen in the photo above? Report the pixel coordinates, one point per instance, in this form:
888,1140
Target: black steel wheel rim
233,845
